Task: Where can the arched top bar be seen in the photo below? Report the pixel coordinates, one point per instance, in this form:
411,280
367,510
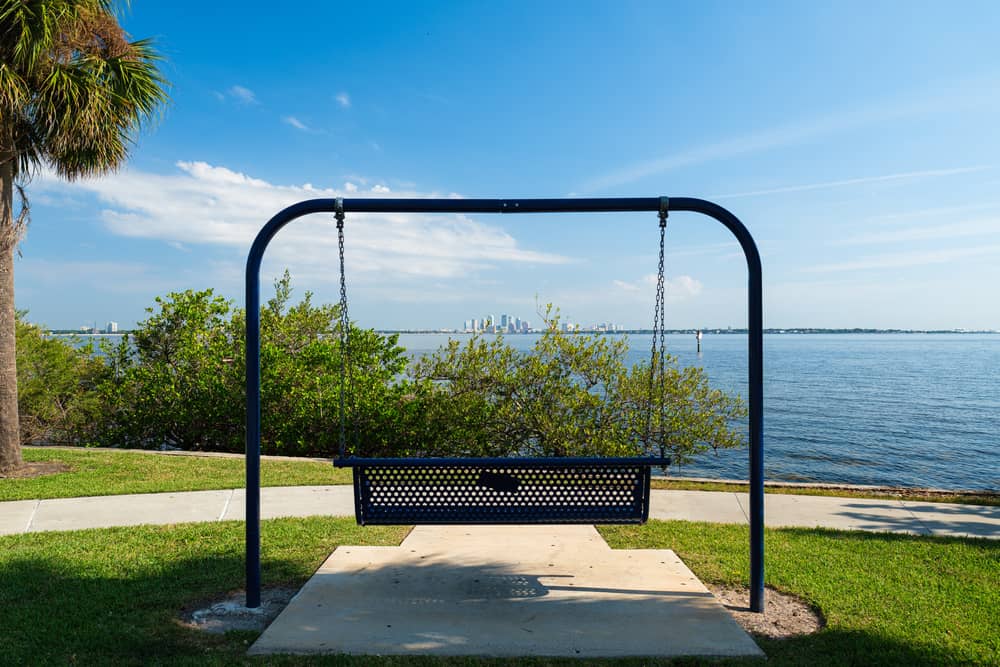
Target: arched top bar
505,206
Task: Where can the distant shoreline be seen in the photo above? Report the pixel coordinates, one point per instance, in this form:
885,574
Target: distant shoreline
711,331
804,330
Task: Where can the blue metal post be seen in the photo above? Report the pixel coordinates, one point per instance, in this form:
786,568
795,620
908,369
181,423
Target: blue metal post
755,400
253,388
253,429
755,338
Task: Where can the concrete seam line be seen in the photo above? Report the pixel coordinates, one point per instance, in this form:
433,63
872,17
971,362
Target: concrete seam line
225,507
34,510
739,504
916,518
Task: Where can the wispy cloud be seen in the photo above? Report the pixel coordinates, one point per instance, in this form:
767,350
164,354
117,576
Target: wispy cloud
296,123
904,176
242,94
677,288
950,230
937,212
944,98
901,260
202,204
343,99
753,142
119,277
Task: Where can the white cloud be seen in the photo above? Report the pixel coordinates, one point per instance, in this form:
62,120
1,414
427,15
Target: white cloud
380,189
677,288
203,204
296,123
350,187
628,287
243,95
343,99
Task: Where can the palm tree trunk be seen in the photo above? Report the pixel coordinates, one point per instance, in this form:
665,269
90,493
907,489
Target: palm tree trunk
10,438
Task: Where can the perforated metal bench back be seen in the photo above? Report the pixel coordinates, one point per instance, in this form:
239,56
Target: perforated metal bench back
500,494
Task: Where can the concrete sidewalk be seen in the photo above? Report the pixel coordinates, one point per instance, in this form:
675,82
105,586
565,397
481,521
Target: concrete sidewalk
900,516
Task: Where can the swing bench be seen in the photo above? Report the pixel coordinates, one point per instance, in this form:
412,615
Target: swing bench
507,490
564,490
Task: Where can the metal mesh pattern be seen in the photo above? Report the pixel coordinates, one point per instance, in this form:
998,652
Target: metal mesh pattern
501,494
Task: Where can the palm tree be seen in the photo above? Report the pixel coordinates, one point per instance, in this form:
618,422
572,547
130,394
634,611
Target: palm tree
74,93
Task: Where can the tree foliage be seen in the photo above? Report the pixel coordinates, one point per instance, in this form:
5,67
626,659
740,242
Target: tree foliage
57,388
571,395
180,380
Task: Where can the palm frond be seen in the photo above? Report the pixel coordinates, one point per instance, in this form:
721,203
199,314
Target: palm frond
76,86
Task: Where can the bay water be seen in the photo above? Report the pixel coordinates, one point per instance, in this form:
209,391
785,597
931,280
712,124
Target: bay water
884,409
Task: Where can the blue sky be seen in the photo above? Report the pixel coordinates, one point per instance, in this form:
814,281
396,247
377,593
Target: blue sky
857,141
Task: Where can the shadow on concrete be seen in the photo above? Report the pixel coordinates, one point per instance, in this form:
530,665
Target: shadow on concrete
928,518
500,609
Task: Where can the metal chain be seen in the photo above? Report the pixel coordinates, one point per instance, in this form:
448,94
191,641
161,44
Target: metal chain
345,328
657,354
662,299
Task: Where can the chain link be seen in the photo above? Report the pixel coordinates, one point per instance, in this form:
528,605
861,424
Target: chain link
345,328
657,353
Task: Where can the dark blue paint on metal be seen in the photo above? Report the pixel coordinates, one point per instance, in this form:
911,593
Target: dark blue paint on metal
755,337
500,461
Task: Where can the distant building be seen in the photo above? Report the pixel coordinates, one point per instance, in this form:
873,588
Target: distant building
111,327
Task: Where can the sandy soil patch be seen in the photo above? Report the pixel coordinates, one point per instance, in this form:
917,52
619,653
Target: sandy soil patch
36,469
784,615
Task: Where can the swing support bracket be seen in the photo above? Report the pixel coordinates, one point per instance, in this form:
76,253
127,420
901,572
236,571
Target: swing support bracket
498,480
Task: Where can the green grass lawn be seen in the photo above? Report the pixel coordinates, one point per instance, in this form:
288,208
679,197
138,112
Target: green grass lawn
107,472
111,596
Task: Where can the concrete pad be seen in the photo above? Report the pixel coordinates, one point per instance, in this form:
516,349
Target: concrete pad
839,513
714,506
16,516
129,510
473,541
505,591
281,501
952,520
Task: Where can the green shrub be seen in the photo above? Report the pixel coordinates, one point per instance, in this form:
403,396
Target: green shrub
571,395
180,380
57,384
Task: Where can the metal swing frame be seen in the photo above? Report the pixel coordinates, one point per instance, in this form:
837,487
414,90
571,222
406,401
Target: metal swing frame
633,506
